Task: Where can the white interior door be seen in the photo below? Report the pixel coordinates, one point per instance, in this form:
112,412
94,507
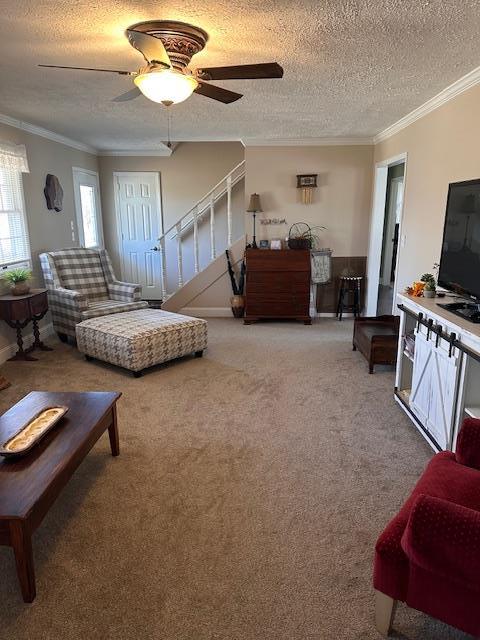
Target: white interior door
139,222
88,210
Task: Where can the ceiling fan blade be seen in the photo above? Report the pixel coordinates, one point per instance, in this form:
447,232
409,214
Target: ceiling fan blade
242,72
56,66
151,48
217,93
128,95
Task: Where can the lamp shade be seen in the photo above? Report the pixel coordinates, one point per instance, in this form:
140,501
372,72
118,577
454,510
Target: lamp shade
255,204
166,86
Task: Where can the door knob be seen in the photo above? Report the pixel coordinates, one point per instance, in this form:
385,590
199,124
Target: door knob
154,249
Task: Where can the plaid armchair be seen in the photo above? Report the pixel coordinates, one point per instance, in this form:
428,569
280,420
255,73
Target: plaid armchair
81,284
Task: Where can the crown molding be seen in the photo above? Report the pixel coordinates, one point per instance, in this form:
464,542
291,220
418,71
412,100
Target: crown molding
306,142
162,150
46,133
456,88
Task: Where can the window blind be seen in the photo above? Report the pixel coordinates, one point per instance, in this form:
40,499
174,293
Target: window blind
14,242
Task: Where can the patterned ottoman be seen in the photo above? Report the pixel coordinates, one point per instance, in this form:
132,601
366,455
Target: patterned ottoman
139,339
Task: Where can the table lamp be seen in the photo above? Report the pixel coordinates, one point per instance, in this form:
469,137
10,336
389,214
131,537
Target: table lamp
254,207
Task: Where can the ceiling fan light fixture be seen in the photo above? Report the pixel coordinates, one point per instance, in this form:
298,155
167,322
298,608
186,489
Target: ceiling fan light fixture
166,86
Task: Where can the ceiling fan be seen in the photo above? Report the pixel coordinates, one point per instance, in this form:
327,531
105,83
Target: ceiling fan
168,46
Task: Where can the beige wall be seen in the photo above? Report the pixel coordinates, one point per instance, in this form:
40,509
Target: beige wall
341,202
48,230
186,176
442,147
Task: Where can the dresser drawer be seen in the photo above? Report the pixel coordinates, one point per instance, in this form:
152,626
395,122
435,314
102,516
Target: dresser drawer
264,280
282,260
280,288
276,310
271,298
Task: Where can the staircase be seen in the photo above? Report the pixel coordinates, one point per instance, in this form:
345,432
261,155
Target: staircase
198,235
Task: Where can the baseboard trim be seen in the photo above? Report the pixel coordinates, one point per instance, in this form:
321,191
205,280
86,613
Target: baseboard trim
11,349
207,312
226,312
331,315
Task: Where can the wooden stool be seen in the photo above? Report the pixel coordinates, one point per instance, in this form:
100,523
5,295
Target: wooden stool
349,285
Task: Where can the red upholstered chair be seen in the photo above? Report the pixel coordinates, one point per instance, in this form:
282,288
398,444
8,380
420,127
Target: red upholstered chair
429,554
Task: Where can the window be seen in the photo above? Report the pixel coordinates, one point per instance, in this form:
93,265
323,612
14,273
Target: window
14,242
87,207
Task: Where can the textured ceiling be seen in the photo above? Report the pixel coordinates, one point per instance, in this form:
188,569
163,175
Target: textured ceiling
352,67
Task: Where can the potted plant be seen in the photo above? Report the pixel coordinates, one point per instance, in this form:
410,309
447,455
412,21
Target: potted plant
430,288
302,236
17,279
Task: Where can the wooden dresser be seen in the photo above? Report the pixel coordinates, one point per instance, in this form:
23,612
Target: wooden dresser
277,285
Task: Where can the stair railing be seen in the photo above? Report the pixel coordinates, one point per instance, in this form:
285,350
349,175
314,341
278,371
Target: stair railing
203,209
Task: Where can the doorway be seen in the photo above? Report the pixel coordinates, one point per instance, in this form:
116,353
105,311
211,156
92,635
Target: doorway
385,236
86,192
388,261
139,225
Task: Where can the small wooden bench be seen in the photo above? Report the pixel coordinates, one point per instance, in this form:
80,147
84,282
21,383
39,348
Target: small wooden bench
377,339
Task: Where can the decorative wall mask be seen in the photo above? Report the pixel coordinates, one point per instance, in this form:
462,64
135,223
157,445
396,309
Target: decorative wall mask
53,193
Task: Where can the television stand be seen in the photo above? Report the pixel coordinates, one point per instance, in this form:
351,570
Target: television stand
468,310
437,380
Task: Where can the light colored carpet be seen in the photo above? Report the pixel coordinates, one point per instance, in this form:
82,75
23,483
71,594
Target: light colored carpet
251,487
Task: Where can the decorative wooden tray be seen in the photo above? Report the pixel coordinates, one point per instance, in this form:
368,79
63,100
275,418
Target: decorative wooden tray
33,431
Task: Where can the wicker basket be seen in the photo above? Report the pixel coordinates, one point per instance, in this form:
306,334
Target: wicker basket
299,243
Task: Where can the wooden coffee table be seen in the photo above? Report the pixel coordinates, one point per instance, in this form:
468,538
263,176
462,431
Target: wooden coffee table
30,484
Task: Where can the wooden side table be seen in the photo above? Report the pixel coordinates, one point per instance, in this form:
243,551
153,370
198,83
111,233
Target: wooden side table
18,311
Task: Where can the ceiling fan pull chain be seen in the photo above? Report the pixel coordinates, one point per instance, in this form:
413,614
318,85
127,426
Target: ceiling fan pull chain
169,142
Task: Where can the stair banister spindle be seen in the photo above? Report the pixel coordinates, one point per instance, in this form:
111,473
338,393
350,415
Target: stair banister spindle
193,219
163,267
179,254
195,240
229,210
213,253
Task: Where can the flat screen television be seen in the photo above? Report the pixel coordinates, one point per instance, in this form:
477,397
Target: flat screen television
460,258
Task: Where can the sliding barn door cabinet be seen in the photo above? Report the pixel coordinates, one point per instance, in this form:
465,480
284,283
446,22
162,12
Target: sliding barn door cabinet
439,383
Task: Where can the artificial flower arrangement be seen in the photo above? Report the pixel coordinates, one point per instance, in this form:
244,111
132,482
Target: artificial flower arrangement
426,286
416,289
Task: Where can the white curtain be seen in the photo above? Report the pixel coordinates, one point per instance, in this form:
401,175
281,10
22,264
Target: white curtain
13,156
